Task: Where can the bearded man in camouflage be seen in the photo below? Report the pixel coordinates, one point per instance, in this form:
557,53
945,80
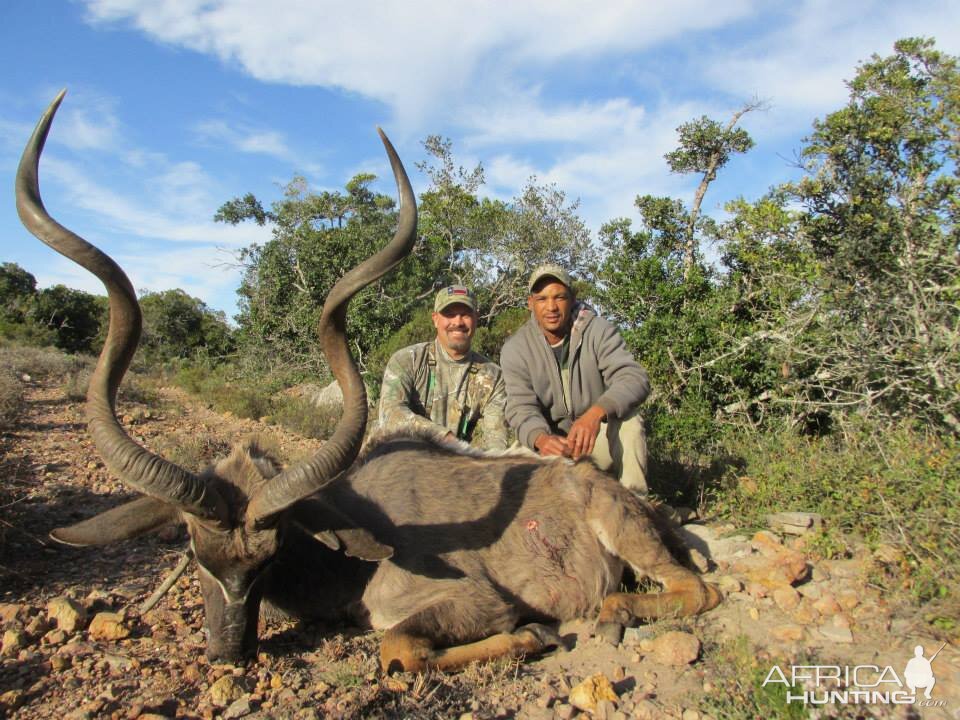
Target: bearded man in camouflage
443,386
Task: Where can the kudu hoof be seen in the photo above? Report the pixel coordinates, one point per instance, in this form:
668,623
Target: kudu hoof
547,638
611,632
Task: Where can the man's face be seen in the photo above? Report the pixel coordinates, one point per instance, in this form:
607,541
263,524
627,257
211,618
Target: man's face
551,303
455,325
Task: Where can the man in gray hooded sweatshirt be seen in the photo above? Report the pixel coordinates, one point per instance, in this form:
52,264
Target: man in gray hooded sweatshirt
573,387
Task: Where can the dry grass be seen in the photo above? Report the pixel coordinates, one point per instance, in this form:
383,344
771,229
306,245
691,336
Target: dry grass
11,396
41,362
305,418
192,451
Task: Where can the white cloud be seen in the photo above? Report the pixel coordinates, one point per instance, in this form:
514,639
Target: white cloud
801,65
245,139
414,54
88,129
606,170
521,119
181,215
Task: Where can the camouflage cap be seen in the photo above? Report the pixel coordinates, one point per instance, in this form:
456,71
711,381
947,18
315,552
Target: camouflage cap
454,294
549,270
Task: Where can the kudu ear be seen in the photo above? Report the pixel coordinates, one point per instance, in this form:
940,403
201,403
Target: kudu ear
338,532
121,523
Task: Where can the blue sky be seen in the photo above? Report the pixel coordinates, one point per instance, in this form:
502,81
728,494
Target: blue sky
175,106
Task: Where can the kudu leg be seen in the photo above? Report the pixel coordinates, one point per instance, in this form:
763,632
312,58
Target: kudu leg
626,528
683,594
411,645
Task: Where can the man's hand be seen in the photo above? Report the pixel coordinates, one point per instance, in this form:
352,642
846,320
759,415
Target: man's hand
548,444
583,433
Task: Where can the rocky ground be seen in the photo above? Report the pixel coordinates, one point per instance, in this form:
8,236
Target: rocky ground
76,645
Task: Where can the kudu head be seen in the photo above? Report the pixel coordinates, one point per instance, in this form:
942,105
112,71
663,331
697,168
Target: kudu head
237,511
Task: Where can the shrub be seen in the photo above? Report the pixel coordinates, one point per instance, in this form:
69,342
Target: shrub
40,362
11,396
244,401
133,389
897,485
307,419
137,388
192,451
75,384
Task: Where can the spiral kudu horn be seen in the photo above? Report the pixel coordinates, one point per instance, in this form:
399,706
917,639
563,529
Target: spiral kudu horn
340,451
135,466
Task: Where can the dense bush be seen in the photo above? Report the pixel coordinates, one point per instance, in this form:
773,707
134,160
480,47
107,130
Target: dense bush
895,485
40,362
224,390
176,325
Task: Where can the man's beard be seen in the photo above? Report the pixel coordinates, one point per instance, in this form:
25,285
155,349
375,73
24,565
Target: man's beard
460,343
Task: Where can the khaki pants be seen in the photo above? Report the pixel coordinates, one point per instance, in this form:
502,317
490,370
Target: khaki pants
621,448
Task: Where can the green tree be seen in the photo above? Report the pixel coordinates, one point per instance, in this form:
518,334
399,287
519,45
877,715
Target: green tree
672,305
18,288
317,237
74,315
176,325
881,200
668,320
706,146
492,245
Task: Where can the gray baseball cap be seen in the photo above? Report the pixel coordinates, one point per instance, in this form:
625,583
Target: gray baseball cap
549,270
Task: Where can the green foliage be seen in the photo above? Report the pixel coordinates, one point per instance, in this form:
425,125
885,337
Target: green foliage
739,692
492,245
40,362
316,239
225,391
489,339
191,450
880,213
18,289
706,146
74,315
176,325
26,332
899,486
234,212
302,416
669,320
848,279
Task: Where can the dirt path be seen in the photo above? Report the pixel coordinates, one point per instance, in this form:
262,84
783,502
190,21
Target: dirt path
778,609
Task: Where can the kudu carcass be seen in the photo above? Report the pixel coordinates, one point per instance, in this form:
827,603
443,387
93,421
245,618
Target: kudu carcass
447,549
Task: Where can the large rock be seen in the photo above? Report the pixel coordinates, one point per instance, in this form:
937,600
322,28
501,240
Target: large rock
227,690
13,642
591,691
108,626
675,648
12,612
787,633
773,565
795,523
707,541
69,615
328,397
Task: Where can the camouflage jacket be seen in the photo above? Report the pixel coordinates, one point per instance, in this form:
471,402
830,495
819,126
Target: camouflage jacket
423,387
